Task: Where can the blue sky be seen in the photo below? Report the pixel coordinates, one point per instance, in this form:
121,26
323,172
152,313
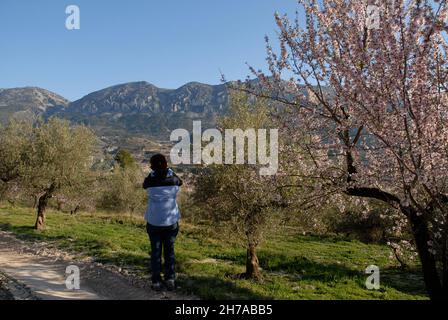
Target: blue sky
165,42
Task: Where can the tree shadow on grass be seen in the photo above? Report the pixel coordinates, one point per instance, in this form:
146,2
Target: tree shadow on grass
297,268
214,288
22,232
407,281
86,247
294,265
28,233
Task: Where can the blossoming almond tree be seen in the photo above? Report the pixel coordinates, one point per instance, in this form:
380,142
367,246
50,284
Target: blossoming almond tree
368,86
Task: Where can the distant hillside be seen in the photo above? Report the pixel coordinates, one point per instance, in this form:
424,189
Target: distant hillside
142,108
136,116
28,102
124,110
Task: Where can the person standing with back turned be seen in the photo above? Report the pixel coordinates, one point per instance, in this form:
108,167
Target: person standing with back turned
162,217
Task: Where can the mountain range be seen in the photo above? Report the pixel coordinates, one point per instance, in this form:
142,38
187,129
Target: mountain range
131,108
28,102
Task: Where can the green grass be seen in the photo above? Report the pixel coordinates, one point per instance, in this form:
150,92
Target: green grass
293,266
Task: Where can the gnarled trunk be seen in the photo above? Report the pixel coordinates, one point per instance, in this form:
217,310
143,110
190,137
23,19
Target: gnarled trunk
75,210
35,201
435,283
252,264
42,207
60,205
431,276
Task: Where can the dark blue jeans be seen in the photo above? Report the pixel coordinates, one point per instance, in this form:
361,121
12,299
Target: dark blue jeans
162,237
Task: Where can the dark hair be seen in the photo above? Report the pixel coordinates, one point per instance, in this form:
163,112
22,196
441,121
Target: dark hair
159,164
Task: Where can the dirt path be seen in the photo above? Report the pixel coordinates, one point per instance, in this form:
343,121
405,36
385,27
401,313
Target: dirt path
41,271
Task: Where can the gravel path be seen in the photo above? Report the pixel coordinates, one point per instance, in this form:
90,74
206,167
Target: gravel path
5,293
11,289
40,271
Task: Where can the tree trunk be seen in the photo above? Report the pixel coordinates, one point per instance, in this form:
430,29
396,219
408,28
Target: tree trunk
445,262
42,206
59,204
36,198
431,277
444,275
252,264
75,210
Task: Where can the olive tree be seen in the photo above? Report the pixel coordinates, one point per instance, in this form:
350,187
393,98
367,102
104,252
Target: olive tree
57,157
14,143
122,186
122,191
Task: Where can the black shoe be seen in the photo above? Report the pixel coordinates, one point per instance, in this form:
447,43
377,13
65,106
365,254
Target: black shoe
170,285
157,286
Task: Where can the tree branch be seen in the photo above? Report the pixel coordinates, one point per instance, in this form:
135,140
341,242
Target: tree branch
373,193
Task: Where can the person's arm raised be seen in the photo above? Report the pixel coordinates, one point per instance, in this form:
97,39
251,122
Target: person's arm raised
146,183
179,180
